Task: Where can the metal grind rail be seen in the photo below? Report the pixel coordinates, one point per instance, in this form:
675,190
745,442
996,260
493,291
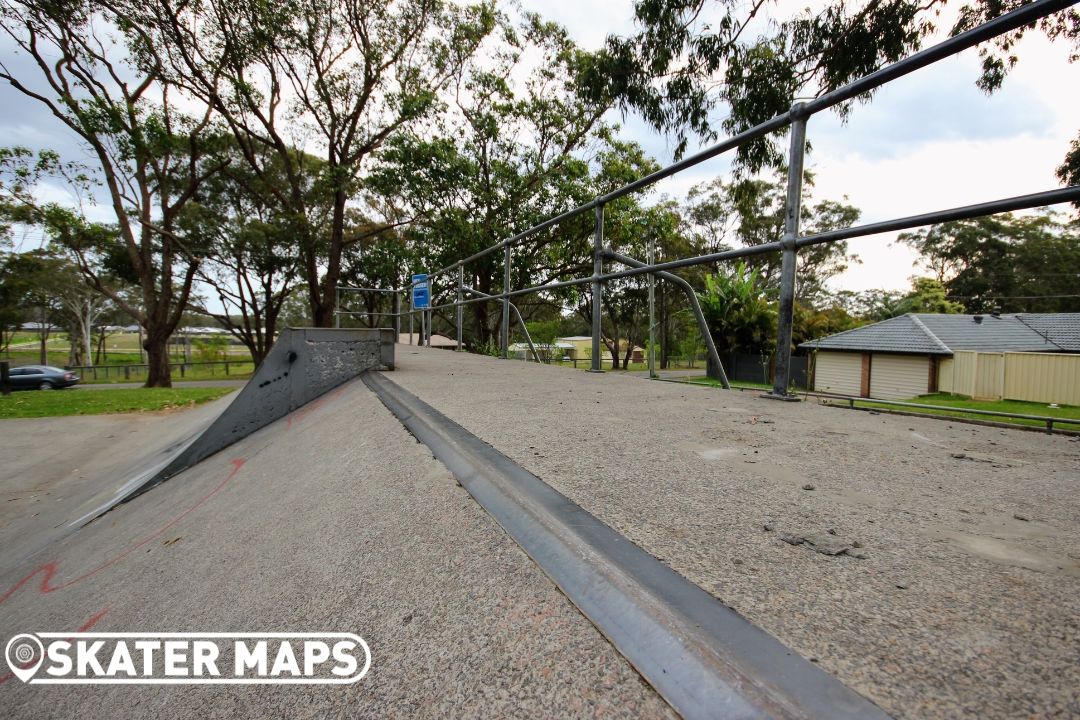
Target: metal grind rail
704,658
870,403
1046,419
796,118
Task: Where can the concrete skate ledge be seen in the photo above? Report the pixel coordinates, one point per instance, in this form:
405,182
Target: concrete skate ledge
303,364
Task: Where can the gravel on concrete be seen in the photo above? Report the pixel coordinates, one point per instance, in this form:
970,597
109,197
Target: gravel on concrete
337,521
932,566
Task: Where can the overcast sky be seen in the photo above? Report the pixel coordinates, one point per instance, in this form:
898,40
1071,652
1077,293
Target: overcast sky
929,141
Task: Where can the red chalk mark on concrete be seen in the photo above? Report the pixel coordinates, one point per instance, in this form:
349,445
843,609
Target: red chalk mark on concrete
84,628
313,406
49,569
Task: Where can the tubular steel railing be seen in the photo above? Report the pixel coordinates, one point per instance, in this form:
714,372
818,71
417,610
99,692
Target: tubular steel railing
789,245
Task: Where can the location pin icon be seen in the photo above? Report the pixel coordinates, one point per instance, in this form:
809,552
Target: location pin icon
25,654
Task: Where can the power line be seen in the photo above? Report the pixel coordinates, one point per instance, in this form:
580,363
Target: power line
1009,297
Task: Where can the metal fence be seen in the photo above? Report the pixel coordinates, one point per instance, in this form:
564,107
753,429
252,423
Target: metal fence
96,372
796,118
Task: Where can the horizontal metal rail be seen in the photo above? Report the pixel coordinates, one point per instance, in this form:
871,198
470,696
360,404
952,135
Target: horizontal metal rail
788,246
1003,24
967,212
1048,420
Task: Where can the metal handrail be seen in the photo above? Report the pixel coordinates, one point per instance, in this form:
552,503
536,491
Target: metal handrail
517,312
796,117
958,43
850,400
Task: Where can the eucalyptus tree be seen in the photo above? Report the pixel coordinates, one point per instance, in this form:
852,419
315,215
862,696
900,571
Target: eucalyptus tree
251,265
149,157
333,77
690,56
721,215
1027,263
513,150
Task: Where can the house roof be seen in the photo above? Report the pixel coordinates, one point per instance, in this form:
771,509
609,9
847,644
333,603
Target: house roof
1060,328
926,334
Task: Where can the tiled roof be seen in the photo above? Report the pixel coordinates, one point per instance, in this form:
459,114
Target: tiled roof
925,334
1060,328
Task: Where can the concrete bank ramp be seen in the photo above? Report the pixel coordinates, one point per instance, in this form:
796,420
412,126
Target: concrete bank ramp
304,364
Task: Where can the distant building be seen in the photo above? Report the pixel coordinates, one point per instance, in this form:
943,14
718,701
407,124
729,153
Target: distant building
437,341
903,357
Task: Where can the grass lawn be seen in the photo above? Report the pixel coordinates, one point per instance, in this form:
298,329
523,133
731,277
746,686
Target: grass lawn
1011,406
716,383
57,403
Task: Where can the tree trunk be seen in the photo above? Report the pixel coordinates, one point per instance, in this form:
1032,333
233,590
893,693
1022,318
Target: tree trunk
157,353
43,333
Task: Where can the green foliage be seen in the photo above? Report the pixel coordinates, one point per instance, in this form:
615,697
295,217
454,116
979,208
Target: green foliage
751,212
810,324
60,403
928,296
677,69
737,312
1012,262
212,349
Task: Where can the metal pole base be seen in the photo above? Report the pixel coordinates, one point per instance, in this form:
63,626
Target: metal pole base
596,371
785,398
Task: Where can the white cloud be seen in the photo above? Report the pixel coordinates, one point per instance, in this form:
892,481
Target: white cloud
929,141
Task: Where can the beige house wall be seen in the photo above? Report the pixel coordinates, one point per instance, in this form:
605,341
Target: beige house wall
898,377
838,372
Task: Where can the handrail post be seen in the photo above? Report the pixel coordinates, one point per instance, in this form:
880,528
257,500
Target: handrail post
652,307
397,315
506,305
460,283
337,306
792,210
598,270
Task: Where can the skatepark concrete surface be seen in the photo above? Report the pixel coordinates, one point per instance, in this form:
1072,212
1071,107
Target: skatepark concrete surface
56,470
333,519
932,567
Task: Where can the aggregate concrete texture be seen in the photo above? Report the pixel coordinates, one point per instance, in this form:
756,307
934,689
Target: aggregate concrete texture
332,519
966,603
57,470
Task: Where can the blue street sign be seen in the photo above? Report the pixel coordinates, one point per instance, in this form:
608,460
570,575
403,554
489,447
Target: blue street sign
420,294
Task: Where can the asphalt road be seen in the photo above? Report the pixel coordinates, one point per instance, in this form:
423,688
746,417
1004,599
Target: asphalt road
333,519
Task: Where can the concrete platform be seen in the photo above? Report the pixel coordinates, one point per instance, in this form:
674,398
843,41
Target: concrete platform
965,598
333,519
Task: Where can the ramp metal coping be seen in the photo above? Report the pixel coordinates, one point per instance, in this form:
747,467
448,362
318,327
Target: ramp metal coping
702,657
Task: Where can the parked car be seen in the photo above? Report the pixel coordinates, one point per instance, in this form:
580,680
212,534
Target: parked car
41,377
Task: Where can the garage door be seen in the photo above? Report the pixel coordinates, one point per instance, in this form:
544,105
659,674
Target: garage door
838,373
898,377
